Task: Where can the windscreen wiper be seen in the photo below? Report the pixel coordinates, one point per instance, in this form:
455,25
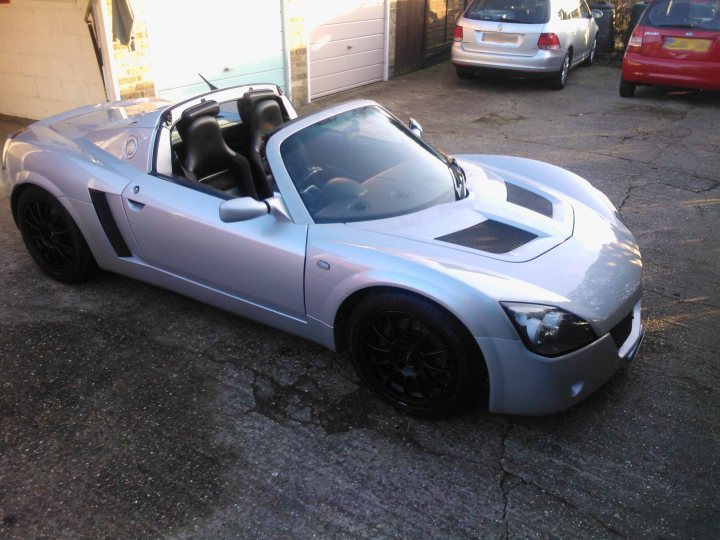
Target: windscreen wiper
676,25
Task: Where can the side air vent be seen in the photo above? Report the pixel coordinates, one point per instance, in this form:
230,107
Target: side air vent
491,236
104,214
528,199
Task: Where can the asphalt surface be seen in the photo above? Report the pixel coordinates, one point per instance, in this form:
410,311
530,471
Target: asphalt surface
127,411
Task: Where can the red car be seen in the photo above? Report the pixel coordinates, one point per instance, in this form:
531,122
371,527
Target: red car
675,43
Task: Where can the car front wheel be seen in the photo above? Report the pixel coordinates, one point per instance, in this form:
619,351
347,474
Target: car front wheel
415,355
559,79
52,237
627,89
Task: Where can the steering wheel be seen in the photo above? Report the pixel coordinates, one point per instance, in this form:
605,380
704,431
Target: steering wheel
307,178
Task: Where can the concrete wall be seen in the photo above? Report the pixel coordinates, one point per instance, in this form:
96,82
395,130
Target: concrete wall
47,61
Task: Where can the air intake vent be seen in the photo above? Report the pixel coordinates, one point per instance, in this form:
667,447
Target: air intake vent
528,199
491,236
622,330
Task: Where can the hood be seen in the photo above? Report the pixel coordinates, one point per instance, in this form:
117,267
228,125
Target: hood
513,221
572,256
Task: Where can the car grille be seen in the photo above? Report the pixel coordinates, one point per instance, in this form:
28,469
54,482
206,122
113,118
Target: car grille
622,330
491,236
528,199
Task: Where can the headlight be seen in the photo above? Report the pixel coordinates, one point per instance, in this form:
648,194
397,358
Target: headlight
549,330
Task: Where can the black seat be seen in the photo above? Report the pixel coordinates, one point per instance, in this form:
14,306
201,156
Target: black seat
208,159
264,116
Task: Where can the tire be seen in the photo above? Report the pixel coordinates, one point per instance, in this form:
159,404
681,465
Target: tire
464,73
627,89
415,355
52,237
558,80
591,57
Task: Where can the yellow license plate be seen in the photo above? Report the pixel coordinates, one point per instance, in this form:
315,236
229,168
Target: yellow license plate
686,44
496,37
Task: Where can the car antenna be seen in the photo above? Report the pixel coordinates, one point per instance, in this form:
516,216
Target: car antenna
211,85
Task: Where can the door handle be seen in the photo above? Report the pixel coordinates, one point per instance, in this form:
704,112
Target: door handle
134,205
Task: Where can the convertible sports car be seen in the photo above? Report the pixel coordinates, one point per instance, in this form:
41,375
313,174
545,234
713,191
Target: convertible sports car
449,279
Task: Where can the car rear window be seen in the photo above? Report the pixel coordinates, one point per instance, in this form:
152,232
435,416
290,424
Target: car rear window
695,14
510,11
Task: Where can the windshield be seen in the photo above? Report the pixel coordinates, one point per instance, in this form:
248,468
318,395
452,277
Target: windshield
697,14
516,11
364,164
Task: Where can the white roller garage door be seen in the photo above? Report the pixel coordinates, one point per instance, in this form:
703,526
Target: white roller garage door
347,45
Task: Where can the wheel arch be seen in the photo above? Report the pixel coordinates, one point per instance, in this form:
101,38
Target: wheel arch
341,327
29,180
342,317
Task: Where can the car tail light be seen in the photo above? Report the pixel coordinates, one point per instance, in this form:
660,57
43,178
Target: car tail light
458,33
548,41
635,43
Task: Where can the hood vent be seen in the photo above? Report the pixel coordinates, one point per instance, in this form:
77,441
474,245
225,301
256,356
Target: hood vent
491,236
528,199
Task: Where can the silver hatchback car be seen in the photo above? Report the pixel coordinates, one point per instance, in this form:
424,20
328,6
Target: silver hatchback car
522,37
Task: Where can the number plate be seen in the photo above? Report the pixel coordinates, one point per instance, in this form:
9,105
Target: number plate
687,44
503,39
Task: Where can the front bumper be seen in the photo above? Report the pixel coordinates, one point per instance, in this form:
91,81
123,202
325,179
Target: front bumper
542,62
522,382
660,71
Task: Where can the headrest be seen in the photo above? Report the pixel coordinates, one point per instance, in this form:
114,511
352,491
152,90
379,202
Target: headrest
266,116
247,103
206,108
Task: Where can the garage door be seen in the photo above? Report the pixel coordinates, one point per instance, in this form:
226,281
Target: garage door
229,43
347,45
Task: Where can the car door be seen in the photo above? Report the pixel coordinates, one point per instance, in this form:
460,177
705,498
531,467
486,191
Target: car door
260,262
587,28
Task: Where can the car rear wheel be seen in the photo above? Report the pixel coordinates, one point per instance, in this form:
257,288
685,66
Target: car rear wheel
414,355
52,237
627,89
559,79
464,73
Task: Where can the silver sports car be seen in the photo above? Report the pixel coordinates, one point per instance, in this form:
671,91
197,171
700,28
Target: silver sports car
449,279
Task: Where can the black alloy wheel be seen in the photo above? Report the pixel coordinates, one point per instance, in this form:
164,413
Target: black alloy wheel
414,355
52,237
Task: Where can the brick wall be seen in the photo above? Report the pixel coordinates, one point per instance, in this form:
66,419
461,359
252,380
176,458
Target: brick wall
47,61
132,68
296,42
391,38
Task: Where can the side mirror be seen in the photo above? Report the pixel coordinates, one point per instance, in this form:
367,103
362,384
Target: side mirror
242,209
415,127
597,14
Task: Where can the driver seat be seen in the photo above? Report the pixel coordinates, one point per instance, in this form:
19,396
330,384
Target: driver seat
208,158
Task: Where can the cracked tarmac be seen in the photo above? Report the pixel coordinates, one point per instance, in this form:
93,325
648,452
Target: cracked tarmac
127,411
